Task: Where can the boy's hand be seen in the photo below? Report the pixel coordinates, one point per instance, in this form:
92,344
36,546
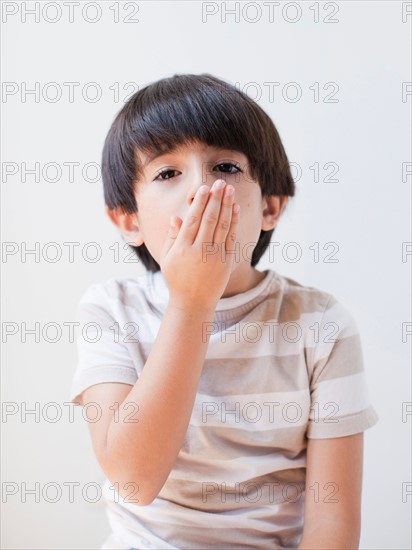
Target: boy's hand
198,253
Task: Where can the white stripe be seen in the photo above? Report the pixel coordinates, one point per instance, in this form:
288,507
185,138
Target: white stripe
162,512
252,412
341,396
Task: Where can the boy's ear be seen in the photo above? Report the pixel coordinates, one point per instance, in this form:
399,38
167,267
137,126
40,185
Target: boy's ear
127,224
272,207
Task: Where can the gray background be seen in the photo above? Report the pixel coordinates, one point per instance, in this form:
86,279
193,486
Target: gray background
366,213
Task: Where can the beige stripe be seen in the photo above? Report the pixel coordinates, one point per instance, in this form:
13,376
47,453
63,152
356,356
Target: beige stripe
259,338
250,465
347,425
345,359
228,443
231,538
266,374
221,495
286,305
263,338
272,373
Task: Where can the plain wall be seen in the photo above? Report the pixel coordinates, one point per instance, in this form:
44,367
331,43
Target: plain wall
365,133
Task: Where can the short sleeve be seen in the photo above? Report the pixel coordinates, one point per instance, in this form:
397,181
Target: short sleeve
102,356
340,403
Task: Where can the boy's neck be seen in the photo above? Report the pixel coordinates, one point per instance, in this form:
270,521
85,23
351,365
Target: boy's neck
241,281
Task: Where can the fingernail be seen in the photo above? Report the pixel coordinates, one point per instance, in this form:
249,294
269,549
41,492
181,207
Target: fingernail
219,184
203,190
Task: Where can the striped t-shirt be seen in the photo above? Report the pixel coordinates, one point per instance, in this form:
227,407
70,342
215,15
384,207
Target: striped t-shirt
284,363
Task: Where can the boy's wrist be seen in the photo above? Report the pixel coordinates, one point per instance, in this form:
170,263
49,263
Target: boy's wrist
191,308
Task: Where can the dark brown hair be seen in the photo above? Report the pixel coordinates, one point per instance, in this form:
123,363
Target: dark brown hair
188,108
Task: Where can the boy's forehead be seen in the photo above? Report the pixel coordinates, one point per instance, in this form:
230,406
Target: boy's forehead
147,157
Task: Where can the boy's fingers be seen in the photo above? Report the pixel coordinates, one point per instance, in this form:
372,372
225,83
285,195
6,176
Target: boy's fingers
175,224
225,216
231,236
210,218
191,223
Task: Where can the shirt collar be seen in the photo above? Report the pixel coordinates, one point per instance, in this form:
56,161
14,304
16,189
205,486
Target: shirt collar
158,292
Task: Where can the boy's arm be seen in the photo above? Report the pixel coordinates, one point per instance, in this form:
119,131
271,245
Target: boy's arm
332,517
142,453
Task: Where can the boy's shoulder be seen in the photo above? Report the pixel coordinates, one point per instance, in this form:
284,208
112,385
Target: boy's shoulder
112,286
124,289
294,290
298,300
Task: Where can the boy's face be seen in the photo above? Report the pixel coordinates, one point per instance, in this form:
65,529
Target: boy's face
168,187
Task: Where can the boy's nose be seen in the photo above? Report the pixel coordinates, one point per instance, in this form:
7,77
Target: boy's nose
205,181
194,189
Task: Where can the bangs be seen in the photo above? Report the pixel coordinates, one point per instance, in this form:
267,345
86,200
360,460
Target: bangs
175,113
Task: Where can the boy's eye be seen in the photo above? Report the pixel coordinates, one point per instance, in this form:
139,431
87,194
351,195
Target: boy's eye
225,167
162,173
230,165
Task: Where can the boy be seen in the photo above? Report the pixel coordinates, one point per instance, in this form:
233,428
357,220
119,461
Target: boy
233,401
